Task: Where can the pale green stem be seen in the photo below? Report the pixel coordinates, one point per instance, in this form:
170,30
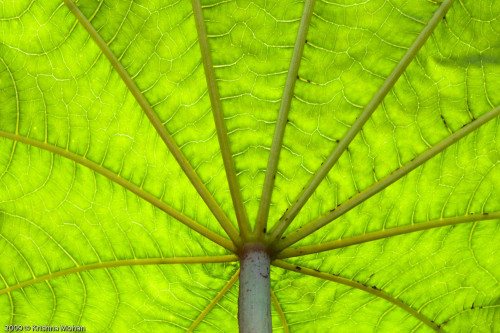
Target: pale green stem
254,299
157,124
286,100
314,182
214,302
220,123
340,243
224,242
311,227
120,263
354,284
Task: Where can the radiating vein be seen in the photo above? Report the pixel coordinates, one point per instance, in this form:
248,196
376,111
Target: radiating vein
272,165
120,263
10,301
157,124
483,307
278,308
340,243
311,227
220,122
218,239
217,298
316,179
354,284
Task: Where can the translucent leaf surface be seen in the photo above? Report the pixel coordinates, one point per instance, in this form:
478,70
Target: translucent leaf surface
144,143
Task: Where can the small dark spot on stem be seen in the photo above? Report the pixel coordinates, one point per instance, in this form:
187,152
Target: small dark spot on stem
264,230
298,268
264,276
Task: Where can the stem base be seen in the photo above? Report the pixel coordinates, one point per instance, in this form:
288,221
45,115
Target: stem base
254,301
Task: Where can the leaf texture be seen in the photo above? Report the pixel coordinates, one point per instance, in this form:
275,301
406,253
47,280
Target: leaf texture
106,225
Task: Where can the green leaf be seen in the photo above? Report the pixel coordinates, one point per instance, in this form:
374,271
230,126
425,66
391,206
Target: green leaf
143,144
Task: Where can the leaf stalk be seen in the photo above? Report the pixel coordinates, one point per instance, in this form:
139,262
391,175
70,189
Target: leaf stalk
254,300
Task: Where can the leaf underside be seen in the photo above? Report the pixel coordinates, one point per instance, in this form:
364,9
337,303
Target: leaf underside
138,138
